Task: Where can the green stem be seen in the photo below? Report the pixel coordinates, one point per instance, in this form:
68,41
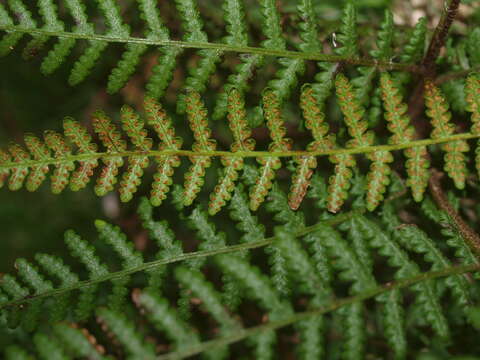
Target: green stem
192,255
245,333
240,154
215,46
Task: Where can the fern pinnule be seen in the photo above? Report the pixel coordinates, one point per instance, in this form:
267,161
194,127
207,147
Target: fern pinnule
130,57
61,175
237,120
378,177
131,258
165,318
78,135
4,173
315,122
85,252
402,131
39,152
348,37
276,127
79,341
162,71
249,224
339,182
353,111
198,75
48,347
162,124
26,19
19,173
111,139
55,57
8,42
236,27
385,38
198,121
126,333
87,60
472,97
440,116
134,128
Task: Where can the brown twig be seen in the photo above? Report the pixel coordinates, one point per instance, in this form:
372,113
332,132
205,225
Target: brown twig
468,234
439,37
428,63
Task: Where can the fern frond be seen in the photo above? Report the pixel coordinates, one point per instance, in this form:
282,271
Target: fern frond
18,164
313,273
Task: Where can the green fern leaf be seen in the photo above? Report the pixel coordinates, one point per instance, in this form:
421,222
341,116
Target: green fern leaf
472,90
125,332
77,342
437,110
164,318
8,42
80,137
39,152
315,122
61,175
399,125
385,38
48,348
269,165
197,117
19,173
242,142
248,224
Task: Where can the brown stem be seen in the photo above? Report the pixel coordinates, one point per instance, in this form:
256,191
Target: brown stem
468,234
439,37
428,63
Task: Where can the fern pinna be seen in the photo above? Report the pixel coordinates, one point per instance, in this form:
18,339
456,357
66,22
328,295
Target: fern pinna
315,258
75,167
